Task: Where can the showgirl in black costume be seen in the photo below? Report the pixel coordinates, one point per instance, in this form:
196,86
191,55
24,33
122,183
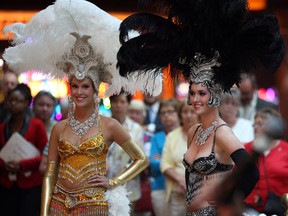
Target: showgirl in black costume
209,43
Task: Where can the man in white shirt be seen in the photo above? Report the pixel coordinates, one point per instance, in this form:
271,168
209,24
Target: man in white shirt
152,120
250,102
118,159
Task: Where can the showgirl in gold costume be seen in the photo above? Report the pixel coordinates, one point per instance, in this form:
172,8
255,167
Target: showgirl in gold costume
77,40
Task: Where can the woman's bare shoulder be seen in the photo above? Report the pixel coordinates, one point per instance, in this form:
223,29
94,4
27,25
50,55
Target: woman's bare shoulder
108,122
59,126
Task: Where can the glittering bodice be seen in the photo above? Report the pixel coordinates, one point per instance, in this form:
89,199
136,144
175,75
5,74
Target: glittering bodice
77,163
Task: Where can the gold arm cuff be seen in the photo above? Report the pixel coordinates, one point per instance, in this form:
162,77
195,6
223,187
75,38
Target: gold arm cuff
49,182
114,183
140,162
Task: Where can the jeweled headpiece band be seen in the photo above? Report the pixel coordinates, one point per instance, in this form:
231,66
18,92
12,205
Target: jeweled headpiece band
201,71
82,62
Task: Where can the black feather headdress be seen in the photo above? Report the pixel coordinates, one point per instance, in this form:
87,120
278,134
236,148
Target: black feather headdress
187,27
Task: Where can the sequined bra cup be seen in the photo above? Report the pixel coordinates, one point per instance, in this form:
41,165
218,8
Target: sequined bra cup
77,164
201,168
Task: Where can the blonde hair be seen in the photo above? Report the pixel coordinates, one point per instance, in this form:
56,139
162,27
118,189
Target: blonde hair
138,105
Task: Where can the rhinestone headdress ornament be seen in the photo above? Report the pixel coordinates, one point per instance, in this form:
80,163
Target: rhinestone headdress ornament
201,71
83,62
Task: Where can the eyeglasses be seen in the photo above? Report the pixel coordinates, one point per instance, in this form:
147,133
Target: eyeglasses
258,124
168,112
15,101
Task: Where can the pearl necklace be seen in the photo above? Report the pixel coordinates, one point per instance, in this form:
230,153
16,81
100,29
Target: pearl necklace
79,128
203,135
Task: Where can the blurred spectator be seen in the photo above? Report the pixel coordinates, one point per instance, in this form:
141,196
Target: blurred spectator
20,181
169,118
43,108
172,157
250,102
152,120
137,112
10,80
118,159
272,163
228,110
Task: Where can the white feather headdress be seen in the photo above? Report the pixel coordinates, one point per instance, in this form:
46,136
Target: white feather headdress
43,42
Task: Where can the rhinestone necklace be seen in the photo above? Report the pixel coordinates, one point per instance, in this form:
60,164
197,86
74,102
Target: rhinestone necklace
79,128
203,135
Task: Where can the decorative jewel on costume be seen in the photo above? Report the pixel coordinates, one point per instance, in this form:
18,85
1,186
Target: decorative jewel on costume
70,202
79,128
201,71
203,135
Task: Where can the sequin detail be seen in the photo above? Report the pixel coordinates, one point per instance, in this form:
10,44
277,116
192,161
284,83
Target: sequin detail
79,163
208,211
85,201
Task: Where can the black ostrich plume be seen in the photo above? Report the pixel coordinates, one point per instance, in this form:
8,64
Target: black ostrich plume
177,29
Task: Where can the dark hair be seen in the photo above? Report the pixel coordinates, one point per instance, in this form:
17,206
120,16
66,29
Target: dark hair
44,93
122,92
24,90
251,77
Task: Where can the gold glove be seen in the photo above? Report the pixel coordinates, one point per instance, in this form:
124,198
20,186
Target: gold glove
49,182
140,162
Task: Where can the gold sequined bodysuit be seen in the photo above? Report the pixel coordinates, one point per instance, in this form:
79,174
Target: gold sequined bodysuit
77,164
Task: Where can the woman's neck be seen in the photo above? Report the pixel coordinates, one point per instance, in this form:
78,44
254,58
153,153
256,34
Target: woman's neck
81,114
17,121
17,118
170,128
208,118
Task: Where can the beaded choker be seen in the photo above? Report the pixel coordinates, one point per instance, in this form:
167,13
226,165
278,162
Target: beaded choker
203,135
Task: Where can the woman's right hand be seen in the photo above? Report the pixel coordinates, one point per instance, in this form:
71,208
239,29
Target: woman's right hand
99,181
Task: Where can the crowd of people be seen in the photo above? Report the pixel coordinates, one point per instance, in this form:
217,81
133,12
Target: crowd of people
165,149
172,155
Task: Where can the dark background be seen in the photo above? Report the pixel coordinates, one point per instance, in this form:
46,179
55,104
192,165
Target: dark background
115,5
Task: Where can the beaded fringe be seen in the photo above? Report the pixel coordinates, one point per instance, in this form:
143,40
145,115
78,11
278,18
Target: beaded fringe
57,209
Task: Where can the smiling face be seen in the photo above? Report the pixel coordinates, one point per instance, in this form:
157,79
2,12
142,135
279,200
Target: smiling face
82,92
199,98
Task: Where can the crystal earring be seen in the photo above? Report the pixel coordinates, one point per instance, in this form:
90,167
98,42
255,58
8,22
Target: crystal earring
97,101
71,107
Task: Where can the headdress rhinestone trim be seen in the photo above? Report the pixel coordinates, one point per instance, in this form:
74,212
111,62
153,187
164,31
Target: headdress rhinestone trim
201,71
82,62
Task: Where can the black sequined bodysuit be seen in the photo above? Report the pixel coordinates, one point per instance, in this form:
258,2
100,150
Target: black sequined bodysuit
200,169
